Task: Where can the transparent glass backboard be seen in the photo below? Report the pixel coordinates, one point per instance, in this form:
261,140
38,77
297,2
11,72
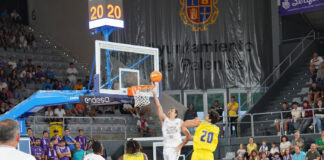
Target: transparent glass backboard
121,66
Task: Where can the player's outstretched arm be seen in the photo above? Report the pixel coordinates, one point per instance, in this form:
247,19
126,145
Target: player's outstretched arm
192,123
186,132
158,106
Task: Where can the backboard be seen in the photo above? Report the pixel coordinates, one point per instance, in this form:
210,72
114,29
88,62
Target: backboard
121,66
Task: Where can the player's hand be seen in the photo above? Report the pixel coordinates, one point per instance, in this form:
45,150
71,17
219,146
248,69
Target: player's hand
154,88
178,148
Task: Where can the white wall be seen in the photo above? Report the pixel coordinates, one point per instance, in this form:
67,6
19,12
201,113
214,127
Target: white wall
67,22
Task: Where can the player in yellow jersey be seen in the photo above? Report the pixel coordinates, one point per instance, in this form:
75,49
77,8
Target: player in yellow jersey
205,139
133,151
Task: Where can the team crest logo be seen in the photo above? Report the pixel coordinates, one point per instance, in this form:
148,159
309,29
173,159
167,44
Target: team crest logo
286,4
198,13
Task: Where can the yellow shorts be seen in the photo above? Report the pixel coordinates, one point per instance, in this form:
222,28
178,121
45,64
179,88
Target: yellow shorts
202,155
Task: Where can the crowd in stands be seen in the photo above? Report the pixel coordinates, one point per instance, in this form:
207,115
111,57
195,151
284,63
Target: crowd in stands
295,149
66,147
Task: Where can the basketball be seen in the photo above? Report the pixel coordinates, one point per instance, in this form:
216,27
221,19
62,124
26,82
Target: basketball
156,76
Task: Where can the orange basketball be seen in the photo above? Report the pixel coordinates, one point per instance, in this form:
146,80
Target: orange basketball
156,76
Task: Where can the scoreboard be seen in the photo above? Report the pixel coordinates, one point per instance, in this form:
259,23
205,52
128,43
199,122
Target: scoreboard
106,13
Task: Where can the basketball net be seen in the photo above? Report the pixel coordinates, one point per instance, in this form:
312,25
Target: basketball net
142,96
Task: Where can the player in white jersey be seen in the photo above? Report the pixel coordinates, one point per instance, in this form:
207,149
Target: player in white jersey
171,130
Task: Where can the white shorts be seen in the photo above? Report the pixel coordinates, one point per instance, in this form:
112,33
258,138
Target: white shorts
169,153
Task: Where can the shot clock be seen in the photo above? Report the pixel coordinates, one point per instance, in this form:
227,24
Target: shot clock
106,13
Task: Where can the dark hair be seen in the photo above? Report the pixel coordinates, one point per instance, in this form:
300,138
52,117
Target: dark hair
8,130
56,131
66,129
29,129
294,103
62,140
96,147
36,139
213,116
284,137
132,147
233,97
284,102
305,102
45,132
273,143
277,153
80,130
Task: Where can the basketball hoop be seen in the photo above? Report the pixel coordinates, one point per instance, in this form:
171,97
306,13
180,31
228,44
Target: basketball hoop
141,94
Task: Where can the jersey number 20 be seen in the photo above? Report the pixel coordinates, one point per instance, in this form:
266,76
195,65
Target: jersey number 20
210,136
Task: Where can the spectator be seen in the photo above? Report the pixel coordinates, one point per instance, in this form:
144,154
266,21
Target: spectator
59,112
143,126
3,42
219,109
12,63
37,151
51,152
264,147
22,42
232,108
240,152
86,82
313,153
287,155
60,86
276,156
319,113
307,114
78,154
93,112
31,43
44,141
49,74
190,114
320,74
313,93
39,73
314,65
297,141
31,137
69,140
30,74
72,72
47,84
56,139
286,119
78,85
55,84
82,139
284,143
3,85
15,16
2,63
264,156
67,85
3,109
30,64
299,155
320,142
63,151
80,109
251,146
12,41
9,140
322,156
97,150
254,155
70,110
296,114
273,149
49,115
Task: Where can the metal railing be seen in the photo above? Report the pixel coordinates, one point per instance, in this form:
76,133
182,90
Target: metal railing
107,128
113,128
282,68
